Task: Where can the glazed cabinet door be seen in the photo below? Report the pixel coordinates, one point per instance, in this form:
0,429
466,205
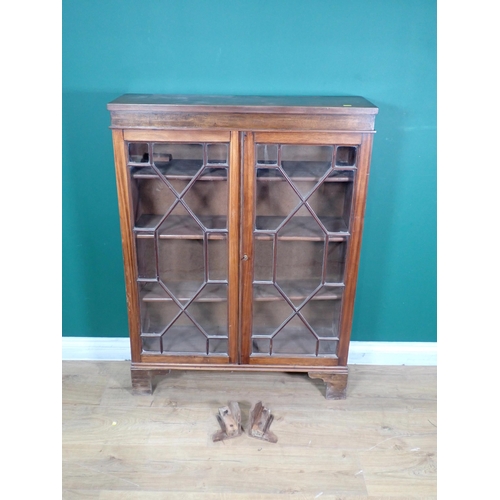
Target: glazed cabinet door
182,265
299,196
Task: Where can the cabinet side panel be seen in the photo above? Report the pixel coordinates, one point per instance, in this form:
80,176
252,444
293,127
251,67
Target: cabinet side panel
234,249
352,261
129,256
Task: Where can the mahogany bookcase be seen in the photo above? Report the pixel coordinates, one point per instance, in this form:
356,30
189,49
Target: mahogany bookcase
241,221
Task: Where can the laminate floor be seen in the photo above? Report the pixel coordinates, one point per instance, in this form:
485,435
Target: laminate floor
379,443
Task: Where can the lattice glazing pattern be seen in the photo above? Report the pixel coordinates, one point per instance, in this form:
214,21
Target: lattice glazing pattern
180,196
301,233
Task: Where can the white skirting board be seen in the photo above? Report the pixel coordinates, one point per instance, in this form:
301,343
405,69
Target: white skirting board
360,353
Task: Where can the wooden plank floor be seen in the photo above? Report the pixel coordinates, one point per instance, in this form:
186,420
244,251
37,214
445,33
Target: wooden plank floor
379,443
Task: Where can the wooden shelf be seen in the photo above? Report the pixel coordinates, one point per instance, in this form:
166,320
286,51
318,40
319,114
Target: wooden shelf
298,171
303,171
180,170
183,226
295,291
184,291
323,333
297,229
263,292
302,228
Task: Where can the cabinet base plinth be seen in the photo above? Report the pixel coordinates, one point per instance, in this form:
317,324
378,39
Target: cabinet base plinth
336,383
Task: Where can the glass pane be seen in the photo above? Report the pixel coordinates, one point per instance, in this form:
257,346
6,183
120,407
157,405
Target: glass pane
182,266
217,154
331,202
328,347
138,152
270,310
158,310
178,163
178,159
184,337
345,156
217,257
306,165
263,257
145,249
266,154
299,268
275,199
294,338
302,226
209,310
323,316
335,262
261,346
208,199
152,199
218,346
151,345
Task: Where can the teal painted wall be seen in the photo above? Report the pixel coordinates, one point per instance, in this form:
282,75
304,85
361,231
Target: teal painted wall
384,50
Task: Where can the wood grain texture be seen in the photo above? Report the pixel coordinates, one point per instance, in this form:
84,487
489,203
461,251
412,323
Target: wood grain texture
241,121
128,244
187,136
308,138
234,246
379,443
247,246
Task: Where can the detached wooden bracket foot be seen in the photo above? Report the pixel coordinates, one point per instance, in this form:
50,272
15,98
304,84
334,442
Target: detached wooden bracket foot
229,418
260,421
336,384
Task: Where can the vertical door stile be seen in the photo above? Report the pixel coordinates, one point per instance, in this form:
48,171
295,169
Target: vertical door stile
246,257
234,247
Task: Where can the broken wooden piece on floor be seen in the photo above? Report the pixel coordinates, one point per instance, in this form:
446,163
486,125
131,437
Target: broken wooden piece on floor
260,421
229,418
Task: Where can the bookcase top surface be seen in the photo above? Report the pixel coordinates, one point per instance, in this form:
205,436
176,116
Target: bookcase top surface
248,104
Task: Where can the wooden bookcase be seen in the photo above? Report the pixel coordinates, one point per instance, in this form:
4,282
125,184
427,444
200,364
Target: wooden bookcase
241,221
